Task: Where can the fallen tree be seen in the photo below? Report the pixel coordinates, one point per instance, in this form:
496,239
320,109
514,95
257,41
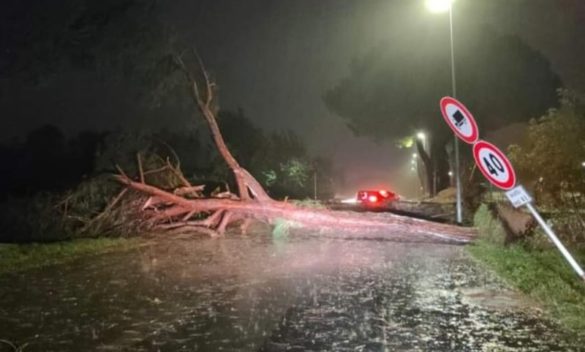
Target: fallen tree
184,209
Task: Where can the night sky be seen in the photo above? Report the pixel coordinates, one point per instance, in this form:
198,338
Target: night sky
276,58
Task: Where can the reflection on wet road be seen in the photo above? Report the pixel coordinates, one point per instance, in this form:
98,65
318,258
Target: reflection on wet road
265,294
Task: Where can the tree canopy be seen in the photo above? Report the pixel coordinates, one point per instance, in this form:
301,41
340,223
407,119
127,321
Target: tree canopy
279,159
552,154
396,87
119,40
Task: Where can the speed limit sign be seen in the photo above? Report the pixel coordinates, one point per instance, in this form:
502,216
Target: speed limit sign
494,165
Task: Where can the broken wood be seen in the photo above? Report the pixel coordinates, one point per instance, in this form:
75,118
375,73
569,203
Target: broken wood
369,224
184,209
190,191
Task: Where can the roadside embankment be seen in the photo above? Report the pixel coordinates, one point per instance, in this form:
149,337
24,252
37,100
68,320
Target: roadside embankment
18,257
535,269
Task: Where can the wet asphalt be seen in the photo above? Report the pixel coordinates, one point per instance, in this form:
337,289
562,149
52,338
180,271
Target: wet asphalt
265,293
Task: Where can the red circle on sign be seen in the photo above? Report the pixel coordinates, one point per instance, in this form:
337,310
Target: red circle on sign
510,180
474,135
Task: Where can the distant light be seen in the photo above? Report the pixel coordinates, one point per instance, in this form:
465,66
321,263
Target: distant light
421,136
439,6
349,201
412,169
413,162
414,155
450,173
583,164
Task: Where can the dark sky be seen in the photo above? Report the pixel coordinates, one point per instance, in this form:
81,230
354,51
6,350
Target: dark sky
275,59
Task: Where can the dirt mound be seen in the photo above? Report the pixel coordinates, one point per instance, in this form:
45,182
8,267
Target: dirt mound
448,195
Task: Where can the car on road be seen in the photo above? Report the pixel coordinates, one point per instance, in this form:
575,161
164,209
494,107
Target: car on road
376,198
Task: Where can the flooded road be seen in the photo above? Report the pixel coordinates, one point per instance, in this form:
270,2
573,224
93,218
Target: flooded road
272,294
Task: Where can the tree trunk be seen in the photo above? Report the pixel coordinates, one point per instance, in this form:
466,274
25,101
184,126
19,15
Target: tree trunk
247,184
426,160
168,211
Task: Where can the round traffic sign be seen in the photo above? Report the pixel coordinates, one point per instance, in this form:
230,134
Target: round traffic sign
459,119
494,165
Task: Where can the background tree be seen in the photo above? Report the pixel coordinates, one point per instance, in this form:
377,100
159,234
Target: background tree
550,160
394,89
47,161
279,159
119,41
552,156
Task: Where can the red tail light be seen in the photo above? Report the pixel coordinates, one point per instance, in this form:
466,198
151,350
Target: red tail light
373,199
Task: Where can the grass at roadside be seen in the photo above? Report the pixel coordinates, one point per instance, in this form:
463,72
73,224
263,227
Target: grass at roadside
18,257
543,275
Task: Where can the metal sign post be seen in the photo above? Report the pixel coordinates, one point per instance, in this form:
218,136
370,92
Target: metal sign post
461,121
549,232
519,197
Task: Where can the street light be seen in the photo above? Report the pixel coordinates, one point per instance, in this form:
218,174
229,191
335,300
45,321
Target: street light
439,6
442,6
422,137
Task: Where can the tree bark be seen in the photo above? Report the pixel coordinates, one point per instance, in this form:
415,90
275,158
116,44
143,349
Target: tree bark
247,184
426,160
172,211
379,225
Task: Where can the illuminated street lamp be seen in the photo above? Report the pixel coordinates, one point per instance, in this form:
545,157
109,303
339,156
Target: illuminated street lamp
442,6
583,164
422,137
439,6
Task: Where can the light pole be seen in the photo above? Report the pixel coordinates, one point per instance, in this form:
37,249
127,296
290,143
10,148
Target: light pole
430,186
315,184
442,6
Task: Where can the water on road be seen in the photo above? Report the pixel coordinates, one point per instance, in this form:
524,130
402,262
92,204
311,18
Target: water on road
272,294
